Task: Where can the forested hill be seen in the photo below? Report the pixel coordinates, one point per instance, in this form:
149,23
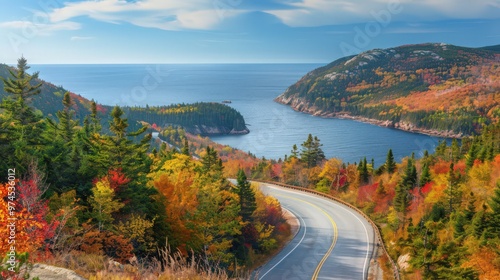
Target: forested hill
431,88
198,118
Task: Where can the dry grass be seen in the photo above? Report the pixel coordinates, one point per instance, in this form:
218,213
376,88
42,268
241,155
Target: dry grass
171,266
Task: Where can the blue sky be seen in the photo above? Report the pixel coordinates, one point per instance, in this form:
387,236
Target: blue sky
234,31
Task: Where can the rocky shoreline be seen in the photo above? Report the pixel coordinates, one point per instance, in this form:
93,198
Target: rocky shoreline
301,106
209,130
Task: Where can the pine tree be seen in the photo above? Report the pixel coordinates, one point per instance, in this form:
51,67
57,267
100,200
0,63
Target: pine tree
60,138
311,153
119,151
425,176
471,155
294,151
95,121
452,192
247,197
363,171
22,88
494,204
380,189
20,126
185,148
402,199
390,164
441,148
455,150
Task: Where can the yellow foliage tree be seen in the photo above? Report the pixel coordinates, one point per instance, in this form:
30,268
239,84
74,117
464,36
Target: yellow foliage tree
103,203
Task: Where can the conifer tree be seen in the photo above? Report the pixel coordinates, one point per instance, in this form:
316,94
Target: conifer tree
390,164
455,151
311,153
452,192
185,148
494,204
471,155
246,195
20,126
119,151
380,189
61,137
294,151
425,176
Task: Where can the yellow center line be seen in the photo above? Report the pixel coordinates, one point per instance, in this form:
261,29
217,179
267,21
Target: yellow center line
335,236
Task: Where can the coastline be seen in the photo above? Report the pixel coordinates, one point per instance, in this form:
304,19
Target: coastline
300,106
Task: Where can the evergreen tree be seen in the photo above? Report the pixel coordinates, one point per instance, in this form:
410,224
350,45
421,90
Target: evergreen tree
185,148
311,153
380,189
425,176
20,125
295,151
246,195
456,154
452,192
494,204
471,155
390,164
363,171
95,120
441,149
61,137
119,151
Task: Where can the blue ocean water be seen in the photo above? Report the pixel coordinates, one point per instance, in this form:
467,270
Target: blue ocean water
275,128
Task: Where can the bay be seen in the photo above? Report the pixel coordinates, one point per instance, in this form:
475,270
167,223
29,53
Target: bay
251,88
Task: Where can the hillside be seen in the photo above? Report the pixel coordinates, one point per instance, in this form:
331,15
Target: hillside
198,118
431,88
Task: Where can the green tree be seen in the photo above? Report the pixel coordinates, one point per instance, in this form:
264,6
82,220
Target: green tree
456,153
453,192
294,151
118,151
363,171
185,147
62,157
381,192
390,164
246,195
311,153
20,125
494,204
471,155
425,176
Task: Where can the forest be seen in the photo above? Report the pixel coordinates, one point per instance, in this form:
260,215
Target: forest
204,118
164,206
432,86
77,196
438,214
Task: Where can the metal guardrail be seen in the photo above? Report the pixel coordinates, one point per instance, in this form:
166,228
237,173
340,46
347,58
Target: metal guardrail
378,235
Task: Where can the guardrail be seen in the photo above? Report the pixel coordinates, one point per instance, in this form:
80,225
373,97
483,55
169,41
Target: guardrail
378,235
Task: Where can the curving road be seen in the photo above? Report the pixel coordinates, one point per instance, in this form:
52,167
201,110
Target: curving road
333,242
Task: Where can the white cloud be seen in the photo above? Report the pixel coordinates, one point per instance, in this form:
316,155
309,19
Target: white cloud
80,38
39,28
167,15
332,12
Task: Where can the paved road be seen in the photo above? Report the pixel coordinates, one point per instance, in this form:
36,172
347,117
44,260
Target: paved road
334,242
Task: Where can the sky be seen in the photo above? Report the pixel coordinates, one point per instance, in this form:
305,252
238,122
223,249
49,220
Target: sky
234,31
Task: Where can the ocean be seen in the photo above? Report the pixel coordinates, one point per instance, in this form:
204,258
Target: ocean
251,88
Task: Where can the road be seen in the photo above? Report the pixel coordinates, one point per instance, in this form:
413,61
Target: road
333,242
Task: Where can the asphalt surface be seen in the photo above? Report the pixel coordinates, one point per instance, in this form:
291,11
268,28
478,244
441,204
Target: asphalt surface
333,242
